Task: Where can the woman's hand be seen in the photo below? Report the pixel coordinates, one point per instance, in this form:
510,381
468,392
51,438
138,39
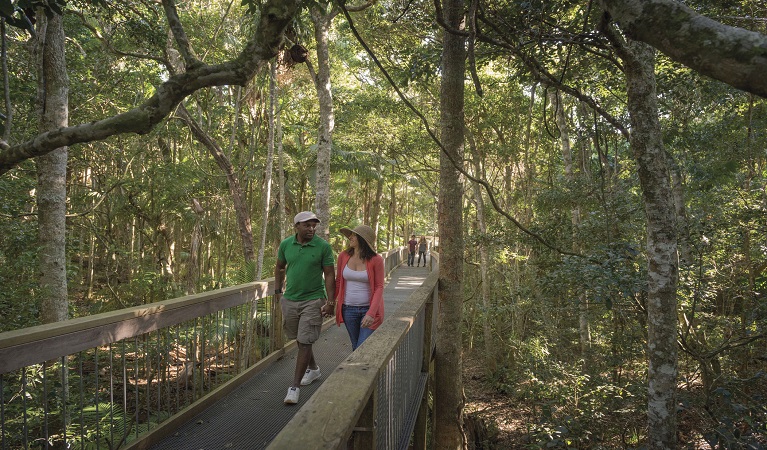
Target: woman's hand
328,309
366,321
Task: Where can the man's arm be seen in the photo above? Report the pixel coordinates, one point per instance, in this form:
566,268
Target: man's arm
330,288
279,276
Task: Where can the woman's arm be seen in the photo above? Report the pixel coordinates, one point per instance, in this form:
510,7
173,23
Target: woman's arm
376,309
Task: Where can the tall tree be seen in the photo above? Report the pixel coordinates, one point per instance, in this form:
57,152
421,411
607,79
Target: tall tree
555,98
322,15
267,192
448,407
53,104
490,356
662,272
241,208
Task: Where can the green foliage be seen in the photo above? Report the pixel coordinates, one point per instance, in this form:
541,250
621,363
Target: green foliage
252,6
245,273
18,255
737,414
573,408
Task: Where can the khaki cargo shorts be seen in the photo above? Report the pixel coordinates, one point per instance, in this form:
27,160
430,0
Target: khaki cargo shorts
302,320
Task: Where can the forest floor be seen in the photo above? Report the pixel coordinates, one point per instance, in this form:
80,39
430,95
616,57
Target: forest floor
505,421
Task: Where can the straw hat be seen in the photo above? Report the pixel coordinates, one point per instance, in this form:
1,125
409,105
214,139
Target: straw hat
363,231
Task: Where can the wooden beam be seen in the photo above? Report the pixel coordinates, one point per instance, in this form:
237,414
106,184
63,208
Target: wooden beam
33,345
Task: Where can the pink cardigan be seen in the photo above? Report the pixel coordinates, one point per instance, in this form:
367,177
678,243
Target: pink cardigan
375,270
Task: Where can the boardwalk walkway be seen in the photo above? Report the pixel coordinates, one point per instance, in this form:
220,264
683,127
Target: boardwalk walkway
252,415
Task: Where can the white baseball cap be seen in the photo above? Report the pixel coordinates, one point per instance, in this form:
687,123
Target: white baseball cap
305,216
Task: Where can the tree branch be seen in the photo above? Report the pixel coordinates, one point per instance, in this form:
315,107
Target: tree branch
108,44
263,45
190,59
732,55
546,78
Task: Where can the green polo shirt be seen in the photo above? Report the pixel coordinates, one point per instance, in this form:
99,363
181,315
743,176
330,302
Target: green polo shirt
304,278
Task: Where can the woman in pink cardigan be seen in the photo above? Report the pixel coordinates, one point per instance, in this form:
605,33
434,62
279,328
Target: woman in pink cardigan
359,285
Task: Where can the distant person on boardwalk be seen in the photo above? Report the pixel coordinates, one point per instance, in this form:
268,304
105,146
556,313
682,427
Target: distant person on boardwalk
359,285
422,247
305,263
411,244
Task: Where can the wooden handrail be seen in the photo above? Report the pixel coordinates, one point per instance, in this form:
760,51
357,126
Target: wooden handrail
19,348
32,345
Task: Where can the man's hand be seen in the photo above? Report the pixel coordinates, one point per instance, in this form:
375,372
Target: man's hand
328,309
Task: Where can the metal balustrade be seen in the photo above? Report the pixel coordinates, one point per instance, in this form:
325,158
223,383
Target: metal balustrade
102,381
108,380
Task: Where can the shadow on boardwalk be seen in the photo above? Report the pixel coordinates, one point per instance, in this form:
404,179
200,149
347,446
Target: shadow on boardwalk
252,415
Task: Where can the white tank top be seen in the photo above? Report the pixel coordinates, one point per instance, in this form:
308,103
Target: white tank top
357,291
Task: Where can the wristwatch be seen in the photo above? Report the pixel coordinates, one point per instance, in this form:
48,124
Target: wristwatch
277,291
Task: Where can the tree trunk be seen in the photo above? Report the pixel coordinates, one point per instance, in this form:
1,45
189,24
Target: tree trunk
322,20
489,344
268,169
391,223
193,265
53,91
240,205
750,268
677,189
555,98
647,145
8,122
283,227
448,403
375,214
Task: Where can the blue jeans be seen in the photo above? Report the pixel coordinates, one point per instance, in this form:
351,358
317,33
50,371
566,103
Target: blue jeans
410,258
353,316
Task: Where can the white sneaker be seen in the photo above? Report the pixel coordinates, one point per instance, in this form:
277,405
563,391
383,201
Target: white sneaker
292,397
310,375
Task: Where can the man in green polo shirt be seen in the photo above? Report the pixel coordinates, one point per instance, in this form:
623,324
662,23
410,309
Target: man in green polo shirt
306,262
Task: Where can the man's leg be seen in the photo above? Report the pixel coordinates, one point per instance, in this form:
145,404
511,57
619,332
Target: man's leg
310,324
304,359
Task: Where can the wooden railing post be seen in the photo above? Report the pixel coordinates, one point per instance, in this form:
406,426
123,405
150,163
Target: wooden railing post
420,431
277,338
364,433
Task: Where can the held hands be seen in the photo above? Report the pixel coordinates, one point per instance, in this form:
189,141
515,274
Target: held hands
328,309
366,321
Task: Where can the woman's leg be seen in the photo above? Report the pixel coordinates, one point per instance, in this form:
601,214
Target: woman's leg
364,334
352,318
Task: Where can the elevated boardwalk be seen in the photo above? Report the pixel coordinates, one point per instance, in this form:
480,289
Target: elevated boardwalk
253,414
